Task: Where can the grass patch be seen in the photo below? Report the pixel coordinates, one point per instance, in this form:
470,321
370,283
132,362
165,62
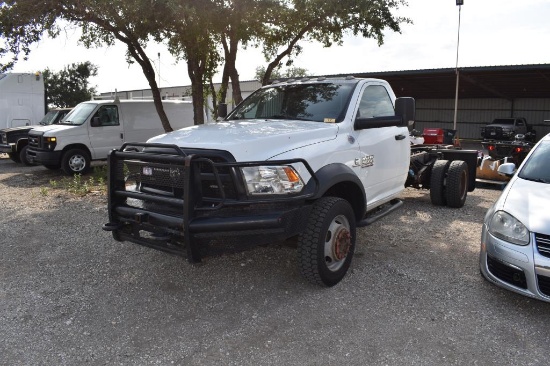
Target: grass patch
82,185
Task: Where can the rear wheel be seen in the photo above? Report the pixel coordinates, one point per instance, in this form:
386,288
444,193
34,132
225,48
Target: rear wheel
326,246
75,161
457,184
437,182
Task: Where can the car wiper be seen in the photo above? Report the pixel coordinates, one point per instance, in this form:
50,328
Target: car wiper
538,180
284,116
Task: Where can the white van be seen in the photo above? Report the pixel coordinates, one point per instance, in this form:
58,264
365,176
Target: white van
96,127
22,101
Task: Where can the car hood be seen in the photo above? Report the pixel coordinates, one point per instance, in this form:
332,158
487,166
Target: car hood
528,202
52,129
250,140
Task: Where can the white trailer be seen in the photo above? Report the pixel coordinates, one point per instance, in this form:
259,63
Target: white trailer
22,99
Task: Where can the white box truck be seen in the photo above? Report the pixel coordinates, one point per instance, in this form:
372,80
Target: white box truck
22,100
94,128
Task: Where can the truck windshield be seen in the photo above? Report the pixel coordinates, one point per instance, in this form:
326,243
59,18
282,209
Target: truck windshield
48,118
536,167
504,121
79,114
318,102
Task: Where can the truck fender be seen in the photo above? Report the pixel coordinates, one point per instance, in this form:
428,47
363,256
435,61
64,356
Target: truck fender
339,180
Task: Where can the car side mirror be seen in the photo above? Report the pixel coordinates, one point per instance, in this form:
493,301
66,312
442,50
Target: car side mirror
95,122
507,169
405,107
222,110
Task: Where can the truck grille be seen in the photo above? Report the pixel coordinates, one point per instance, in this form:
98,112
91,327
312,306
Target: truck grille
543,244
34,141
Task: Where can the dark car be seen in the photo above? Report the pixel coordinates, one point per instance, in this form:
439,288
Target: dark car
13,140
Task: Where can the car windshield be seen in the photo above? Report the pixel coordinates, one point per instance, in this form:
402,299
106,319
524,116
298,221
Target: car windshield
504,121
319,102
49,118
536,167
78,115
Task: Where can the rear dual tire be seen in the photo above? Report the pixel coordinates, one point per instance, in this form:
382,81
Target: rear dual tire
449,183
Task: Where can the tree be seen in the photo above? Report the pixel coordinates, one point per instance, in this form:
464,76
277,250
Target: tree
132,22
69,86
326,22
290,72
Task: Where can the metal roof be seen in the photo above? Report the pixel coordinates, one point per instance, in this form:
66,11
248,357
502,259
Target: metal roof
507,82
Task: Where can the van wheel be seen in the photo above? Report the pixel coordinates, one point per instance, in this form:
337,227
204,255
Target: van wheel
437,182
75,161
326,246
457,184
23,156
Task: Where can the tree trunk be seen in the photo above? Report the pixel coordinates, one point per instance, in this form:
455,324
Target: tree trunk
196,74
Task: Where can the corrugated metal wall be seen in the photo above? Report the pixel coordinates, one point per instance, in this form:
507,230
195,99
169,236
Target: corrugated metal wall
475,113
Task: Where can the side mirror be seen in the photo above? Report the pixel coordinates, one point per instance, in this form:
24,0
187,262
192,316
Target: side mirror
222,110
405,107
507,169
95,122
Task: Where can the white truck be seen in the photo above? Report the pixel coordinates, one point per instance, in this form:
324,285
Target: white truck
95,127
310,159
22,99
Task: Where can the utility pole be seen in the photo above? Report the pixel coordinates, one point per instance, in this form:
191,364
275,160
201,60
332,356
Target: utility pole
459,3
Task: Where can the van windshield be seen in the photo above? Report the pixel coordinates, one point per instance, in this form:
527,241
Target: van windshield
79,114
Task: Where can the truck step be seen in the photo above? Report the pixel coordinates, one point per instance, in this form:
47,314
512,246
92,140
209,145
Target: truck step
380,212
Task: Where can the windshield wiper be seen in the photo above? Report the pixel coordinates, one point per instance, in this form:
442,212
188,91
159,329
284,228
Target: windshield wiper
284,116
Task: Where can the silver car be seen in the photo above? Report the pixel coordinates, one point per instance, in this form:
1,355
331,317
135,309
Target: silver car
515,239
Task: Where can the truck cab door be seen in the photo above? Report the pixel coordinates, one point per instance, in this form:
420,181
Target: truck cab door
384,151
105,131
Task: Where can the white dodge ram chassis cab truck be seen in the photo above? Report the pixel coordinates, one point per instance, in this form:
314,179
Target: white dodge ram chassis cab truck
309,159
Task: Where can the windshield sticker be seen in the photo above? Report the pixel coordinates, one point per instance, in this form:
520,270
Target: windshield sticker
330,120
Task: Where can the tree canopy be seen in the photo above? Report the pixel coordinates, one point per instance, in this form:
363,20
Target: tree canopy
70,86
204,33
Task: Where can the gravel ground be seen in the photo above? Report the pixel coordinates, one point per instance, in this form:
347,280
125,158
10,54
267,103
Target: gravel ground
70,294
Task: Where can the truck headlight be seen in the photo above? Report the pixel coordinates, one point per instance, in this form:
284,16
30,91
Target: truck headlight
50,142
508,228
272,180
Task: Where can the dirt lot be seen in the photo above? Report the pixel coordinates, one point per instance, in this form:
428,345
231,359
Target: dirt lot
70,295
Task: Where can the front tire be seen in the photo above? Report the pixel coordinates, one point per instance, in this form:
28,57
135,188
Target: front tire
75,161
326,246
23,156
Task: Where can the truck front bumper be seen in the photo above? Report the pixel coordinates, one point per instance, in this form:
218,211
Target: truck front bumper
44,157
194,205
8,148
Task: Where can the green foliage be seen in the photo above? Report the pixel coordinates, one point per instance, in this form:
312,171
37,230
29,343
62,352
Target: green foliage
69,86
278,73
81,186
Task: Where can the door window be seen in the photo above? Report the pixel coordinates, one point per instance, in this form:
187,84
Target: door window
375,102
108,115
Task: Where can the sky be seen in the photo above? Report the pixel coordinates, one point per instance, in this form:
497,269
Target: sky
491,33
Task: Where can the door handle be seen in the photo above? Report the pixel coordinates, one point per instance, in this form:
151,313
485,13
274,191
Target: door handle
121,136
400,137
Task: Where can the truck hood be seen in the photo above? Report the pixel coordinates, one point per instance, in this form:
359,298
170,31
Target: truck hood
53,129
251,139
18,129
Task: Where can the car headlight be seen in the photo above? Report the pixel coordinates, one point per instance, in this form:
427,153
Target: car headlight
50,142
272,180
507,227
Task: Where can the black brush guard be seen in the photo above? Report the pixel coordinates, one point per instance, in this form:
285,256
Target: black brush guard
195,197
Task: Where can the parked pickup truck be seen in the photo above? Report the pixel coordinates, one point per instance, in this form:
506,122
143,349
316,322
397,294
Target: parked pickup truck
309,159
14,140
507,129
